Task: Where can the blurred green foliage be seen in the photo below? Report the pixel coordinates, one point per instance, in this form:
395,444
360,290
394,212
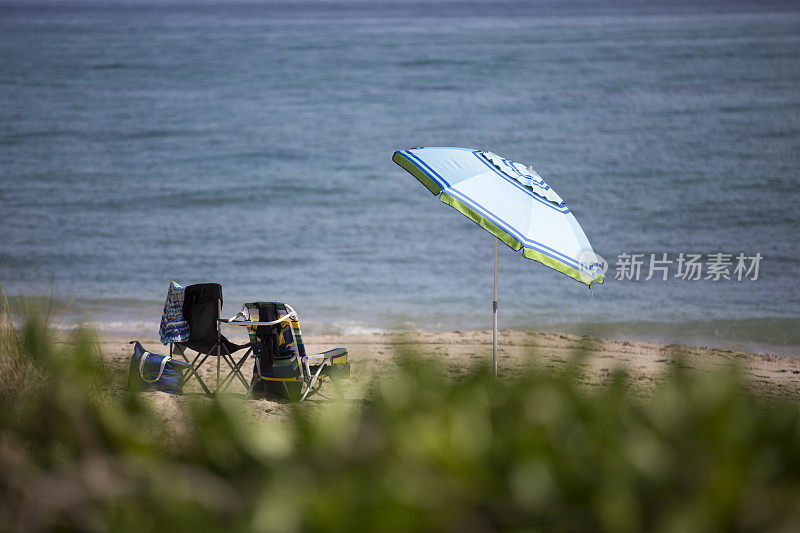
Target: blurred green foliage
699,453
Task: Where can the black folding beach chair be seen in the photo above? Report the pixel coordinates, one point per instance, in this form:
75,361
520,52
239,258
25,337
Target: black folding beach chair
202,307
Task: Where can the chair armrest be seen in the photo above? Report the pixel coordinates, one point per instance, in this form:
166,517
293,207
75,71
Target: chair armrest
233,322
329,354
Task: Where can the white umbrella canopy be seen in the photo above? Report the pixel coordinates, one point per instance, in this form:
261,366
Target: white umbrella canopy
510,201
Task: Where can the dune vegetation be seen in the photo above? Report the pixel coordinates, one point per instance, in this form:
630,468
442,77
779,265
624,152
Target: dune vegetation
702,451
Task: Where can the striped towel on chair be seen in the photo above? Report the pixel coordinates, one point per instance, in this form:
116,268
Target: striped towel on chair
174,327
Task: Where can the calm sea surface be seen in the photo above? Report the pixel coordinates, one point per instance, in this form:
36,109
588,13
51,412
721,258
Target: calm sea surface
250,144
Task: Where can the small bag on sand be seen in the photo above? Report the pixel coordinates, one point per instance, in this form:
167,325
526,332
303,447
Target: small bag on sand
150,371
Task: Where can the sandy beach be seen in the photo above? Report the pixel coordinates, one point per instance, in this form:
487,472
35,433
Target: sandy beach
373,357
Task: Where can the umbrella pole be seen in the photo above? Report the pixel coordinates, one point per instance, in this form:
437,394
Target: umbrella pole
494,313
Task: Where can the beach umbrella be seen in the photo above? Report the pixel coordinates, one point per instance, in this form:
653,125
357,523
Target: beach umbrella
513,203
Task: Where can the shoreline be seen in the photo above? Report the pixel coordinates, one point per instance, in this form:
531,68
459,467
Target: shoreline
767,335
373,357
771,334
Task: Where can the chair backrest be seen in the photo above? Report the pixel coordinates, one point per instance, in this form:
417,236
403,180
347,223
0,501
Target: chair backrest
201,306
277,362
288,332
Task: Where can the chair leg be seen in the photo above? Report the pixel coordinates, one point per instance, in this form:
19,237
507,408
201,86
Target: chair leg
312,382
235,371
193,370
219,354
235,367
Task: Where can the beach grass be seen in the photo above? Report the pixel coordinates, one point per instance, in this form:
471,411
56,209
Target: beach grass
699,451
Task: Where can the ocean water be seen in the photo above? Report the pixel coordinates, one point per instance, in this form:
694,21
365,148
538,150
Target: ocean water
250,143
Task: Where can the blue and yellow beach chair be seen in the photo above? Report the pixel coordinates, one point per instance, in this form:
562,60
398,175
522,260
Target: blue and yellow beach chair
282,367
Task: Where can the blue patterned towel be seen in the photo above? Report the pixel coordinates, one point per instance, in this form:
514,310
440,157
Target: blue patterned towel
174,327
